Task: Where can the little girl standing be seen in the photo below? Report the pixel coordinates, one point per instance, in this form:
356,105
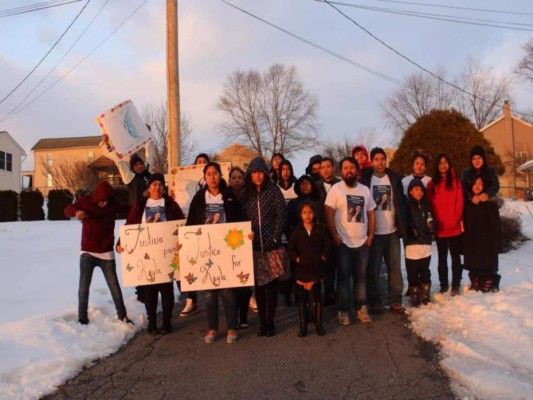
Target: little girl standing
420,226
309,246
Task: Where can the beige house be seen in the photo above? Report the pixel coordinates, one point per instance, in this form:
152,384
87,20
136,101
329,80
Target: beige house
11,157
51,155
512,139
238,154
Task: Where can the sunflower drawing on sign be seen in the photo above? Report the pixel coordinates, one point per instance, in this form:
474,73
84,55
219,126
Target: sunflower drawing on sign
234,238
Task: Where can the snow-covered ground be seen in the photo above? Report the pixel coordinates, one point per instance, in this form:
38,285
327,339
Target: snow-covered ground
486,340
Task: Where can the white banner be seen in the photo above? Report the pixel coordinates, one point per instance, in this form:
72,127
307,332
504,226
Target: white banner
150,253
216,256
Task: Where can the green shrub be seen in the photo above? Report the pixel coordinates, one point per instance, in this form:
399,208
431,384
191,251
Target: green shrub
510,229
31,205
58,199
8,205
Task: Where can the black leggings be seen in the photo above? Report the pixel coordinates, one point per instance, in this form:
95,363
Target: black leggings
243,302
167,301
418,271
454,245
303,295
190,295
266,297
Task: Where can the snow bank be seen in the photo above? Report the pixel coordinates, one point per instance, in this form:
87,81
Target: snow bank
486,340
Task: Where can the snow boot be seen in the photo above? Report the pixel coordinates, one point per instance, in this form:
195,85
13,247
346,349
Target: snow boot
474,281
415,296
318,319
496,283
487,282
425,293
302,312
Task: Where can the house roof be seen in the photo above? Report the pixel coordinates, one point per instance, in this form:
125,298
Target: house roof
519,120
6,133
236,150
102,162
67,143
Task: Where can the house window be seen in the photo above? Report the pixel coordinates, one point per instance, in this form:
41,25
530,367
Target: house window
2,160
49,159
9,162
49,180
90,156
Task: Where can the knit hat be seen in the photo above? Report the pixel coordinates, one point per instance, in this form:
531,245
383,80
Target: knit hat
478,151
414,183
156,177
102,192
134,159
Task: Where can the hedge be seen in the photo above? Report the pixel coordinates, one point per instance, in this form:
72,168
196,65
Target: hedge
58,199
8,205
31,205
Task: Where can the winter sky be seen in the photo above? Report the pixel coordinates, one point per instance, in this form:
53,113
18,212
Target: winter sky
216,39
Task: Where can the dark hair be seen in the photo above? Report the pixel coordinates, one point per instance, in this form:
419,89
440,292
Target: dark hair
306,203
201,155
473,182
215,165
277,154
437,178
315,193
291,177
350,160
330,160
233,169
419,153
375,151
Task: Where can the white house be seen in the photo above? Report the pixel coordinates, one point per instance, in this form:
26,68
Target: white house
11,157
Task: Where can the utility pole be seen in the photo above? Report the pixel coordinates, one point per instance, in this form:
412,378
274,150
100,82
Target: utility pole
173,88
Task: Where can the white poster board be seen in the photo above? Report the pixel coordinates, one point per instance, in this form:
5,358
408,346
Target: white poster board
187,180
216,256
150,253
126,130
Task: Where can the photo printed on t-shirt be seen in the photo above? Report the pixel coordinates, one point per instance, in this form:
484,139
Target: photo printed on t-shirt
155,214
356,208
382,197
214,214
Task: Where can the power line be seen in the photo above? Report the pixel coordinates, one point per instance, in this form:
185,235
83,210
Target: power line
458,7
14,109
46,55
412,61
83,59
440,17
35,7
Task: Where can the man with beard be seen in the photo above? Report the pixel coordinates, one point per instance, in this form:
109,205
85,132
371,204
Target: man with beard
352,238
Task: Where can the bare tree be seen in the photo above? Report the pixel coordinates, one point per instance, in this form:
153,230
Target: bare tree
73,175
338,150
525,66
488,91
156,117
422,94
480,100
271,112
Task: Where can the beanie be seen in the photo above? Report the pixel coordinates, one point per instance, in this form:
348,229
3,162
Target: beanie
135,158
156,177
478,151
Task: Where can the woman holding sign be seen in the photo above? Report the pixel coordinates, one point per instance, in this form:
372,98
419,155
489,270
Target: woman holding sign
264,206
156,207
215,204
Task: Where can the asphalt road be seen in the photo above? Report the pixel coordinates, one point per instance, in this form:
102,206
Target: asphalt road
381,360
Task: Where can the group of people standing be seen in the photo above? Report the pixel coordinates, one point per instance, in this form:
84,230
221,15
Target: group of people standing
312,235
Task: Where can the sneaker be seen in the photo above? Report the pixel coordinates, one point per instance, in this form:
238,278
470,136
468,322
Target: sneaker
127,320
244,325
344,318
444,288
210,338
253,304
190,307
232,338
362,315
456,291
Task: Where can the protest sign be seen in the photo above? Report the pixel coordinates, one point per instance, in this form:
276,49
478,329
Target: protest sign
126,130
150,253
216,256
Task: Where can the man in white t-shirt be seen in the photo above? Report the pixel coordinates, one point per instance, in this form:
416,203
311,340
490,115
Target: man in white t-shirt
387,191
351,222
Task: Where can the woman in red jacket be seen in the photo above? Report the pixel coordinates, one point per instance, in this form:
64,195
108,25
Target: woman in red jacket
445,193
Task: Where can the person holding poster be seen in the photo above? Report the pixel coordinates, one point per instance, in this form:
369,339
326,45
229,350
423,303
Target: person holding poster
215,204
264,206
155,207
98,213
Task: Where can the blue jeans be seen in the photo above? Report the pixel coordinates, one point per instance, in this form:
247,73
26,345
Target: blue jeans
385,247
87,265
352,263
229,299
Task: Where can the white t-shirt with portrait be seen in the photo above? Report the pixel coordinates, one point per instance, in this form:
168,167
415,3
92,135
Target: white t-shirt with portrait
351,205
214,209
382,194
154,211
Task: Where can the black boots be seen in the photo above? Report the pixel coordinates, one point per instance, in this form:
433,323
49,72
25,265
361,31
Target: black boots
302,312
317,307
425,293
414,293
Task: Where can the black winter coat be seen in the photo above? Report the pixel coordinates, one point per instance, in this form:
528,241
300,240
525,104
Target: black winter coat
418,231
232,208
492,183
481,239
310,249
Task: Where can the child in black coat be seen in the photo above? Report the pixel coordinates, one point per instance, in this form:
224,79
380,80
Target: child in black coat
420,226
309,246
